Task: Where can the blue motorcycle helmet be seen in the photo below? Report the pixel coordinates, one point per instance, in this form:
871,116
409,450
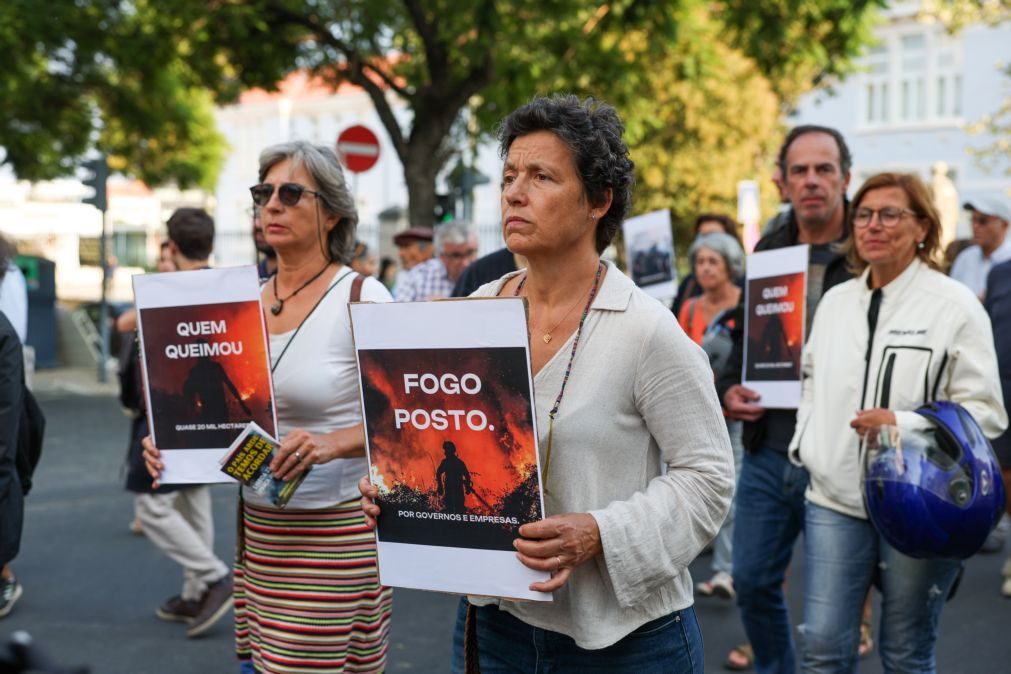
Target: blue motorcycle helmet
935,493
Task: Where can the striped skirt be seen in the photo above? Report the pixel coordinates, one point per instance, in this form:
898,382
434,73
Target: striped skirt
307,598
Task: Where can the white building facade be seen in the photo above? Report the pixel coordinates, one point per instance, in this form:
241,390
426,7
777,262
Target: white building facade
918,91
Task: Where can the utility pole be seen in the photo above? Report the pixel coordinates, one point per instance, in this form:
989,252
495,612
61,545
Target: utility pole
98,173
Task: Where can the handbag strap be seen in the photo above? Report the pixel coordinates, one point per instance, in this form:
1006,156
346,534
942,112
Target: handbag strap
336,283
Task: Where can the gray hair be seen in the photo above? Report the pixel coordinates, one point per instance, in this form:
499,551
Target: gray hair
323,165
723,244
454,231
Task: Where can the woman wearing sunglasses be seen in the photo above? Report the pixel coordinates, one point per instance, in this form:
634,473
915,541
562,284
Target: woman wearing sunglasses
307,596
898,336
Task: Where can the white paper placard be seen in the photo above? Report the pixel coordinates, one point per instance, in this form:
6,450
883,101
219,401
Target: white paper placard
447,398
205,359
649,253
775,309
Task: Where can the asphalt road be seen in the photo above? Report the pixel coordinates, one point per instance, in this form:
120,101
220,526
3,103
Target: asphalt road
91,587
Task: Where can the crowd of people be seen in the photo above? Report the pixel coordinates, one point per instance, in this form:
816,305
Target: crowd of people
652,448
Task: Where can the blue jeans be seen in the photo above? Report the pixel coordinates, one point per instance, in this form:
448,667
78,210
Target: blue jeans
842,556
668,645
770,516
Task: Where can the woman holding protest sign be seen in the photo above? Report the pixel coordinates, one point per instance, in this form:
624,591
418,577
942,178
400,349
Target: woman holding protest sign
710,318
307,596
883,345
636,464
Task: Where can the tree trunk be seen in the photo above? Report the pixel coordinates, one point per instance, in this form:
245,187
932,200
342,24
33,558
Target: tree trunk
420,170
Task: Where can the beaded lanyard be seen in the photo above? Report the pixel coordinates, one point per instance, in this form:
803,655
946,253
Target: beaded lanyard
568,368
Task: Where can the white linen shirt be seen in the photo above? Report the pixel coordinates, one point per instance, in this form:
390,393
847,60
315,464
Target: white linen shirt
641,444
316,389
933,341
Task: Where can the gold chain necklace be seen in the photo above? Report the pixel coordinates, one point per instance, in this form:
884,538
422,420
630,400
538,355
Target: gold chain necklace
546,337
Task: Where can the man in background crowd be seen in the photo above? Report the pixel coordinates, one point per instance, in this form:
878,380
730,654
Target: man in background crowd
178,519
414,246
990,217
814,162
455,249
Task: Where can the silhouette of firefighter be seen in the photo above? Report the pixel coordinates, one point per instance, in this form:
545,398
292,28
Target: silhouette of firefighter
453,480
205,388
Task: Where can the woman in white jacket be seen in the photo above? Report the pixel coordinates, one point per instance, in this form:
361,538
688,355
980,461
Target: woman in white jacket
899,335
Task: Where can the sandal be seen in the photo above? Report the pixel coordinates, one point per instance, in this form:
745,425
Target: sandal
740,659
866,640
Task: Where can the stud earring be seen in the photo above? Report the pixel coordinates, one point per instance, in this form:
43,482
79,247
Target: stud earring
920,245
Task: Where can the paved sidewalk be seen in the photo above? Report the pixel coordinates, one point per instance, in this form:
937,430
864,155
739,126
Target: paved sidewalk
75,381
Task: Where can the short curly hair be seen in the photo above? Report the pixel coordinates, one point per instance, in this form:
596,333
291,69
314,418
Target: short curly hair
592,131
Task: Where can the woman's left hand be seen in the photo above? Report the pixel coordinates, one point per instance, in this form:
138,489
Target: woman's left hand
558,544
302,449
867,421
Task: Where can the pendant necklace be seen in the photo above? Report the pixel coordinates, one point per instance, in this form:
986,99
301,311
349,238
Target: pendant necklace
546,337
568,368
279,304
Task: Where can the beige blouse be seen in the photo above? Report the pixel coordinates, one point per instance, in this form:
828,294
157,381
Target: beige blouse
641,444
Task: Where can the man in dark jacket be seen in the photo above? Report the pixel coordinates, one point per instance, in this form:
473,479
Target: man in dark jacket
815,164
998,305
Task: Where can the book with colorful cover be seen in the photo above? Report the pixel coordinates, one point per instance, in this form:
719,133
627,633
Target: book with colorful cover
248,461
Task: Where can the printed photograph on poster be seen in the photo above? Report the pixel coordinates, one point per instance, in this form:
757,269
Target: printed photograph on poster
206,369
451,443
775,309
649,253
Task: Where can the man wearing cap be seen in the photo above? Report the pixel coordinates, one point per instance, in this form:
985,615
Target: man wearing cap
455,249
990,217
414,246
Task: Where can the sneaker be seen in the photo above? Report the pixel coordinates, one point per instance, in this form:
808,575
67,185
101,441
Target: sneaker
720,585
723,585
177,609
214,605
1005,588
1005,570
10,592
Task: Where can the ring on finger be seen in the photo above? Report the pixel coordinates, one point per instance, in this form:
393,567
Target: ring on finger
558,562
298,457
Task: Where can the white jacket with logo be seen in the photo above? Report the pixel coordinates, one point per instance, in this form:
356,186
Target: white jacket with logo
933,341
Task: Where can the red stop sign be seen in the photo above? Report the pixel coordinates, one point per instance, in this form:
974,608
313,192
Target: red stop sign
358,148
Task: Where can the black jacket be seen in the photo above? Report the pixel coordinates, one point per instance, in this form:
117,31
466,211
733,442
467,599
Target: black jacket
998,305
11,387
835,273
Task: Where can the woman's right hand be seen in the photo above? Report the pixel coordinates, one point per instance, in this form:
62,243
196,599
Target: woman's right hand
369,496
152,460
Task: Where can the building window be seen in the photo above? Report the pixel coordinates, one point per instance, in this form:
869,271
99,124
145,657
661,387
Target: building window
911,77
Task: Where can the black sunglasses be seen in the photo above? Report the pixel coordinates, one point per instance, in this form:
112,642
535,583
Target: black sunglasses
288,193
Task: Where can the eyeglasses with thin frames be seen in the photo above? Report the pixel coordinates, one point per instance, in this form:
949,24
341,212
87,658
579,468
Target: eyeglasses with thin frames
889,216
462,255
288,193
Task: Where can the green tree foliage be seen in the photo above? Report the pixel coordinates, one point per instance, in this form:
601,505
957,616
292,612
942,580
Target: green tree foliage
102,74
699,82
